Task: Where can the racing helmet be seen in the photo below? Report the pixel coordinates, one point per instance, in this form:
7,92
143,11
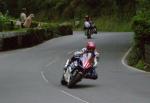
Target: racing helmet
86,17
91,46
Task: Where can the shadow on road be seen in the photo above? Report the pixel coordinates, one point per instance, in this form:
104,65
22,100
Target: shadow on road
82,86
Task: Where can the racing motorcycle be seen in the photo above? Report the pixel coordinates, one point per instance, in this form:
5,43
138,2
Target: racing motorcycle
77,69
90,31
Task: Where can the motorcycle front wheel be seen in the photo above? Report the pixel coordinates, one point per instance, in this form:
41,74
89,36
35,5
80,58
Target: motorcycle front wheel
74,80
63,82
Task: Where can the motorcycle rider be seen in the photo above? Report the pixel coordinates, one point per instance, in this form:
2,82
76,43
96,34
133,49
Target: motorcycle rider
90,47
87,24
92,26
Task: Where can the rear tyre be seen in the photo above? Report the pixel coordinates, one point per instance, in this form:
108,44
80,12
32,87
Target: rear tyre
89,34
89,37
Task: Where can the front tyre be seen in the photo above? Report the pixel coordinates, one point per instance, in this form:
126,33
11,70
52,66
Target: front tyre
74,80
63,82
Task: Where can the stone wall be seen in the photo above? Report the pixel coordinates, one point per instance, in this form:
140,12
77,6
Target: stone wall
15,39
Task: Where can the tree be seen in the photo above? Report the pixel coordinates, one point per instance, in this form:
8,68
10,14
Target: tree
126,8
3,7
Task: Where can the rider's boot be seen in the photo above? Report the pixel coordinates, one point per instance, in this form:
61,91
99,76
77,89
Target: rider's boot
91,74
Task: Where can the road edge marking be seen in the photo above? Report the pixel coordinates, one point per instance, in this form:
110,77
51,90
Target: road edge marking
43,76
75,97
130,67
47,65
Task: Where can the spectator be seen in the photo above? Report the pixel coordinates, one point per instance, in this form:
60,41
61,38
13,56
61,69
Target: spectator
18,24
28,21
23,16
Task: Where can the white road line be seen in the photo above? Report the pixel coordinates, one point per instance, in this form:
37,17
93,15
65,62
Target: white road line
124,63
43,76
47,65
68,94
77,98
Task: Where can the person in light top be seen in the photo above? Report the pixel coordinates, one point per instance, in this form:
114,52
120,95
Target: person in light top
28,21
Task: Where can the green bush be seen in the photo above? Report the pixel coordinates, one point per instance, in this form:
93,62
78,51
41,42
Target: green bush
51,29
141,26
34,24
133,57
34,36
111,23
140,64
46,31
50,26
3,22
65,29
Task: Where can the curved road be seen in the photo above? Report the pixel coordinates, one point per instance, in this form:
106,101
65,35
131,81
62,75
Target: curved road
32,75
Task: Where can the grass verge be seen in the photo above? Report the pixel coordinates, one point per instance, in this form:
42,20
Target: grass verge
109,24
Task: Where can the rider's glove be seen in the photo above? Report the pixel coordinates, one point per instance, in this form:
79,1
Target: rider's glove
95,63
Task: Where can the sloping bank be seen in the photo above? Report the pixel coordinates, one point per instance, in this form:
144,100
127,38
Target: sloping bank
33,36
139,56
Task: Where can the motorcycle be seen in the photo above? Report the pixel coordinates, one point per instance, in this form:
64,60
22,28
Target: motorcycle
90,31
76,71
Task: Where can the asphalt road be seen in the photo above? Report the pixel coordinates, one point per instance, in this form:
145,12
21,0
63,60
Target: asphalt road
32,75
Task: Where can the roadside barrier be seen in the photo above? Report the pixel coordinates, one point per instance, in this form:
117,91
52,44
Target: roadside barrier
30,37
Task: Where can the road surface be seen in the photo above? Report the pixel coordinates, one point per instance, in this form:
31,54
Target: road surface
32,75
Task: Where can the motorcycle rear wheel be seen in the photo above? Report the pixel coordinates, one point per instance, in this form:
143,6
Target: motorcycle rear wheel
88,34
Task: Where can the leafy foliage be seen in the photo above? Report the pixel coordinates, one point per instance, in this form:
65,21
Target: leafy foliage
56,9
140,64
134,56
141,23
141,27
5,23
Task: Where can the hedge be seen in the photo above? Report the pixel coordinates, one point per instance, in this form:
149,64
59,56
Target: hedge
65,29
34,36
141,28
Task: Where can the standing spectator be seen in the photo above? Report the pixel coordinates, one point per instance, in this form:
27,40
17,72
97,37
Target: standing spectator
18,24
28,21
23,16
